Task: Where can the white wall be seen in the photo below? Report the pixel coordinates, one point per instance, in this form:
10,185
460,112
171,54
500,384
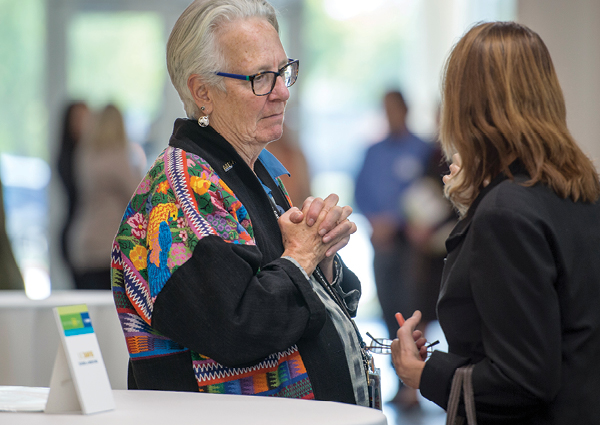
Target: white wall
571,30
436,27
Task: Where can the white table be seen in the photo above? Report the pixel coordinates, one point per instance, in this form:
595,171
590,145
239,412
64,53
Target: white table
165,407
29,337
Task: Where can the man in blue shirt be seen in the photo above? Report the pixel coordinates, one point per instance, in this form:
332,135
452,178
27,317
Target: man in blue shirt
389,169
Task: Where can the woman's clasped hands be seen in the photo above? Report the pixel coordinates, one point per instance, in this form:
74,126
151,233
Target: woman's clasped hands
314,234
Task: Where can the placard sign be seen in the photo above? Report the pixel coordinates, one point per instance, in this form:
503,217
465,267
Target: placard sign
79,379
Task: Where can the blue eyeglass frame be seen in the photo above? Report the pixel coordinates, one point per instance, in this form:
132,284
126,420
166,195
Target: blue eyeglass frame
252,77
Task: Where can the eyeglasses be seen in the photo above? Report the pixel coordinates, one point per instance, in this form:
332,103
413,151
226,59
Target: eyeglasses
263,83
384,346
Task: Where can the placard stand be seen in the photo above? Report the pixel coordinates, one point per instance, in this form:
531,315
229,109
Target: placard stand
79,380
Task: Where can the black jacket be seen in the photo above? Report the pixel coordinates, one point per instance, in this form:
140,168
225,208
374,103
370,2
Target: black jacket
520,298
238,304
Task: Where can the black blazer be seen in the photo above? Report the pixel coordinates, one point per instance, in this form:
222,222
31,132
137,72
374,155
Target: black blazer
520,298
201,304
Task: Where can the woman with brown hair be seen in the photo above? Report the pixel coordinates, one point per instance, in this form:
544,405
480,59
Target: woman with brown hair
521,286
105,179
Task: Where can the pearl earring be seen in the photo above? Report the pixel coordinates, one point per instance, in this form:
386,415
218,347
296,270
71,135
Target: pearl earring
203,120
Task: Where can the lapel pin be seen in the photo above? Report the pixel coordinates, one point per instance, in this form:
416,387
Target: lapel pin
228,165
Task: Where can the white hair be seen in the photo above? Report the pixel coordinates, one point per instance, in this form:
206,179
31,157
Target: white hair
193,49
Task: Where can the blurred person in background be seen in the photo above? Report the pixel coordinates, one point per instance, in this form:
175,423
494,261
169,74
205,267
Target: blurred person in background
76,118
10,275
221,286
389,169
105,179
521,286
430,219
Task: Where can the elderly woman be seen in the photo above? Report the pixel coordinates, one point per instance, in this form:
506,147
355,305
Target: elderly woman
220,286
521,286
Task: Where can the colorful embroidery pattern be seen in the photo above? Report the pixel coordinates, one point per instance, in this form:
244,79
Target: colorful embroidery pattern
180,201
285,193
282,374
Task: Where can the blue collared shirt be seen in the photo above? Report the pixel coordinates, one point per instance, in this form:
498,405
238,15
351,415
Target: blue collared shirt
275,170
389,168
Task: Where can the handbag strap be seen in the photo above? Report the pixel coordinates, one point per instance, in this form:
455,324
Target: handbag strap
462,380
468,395
454,397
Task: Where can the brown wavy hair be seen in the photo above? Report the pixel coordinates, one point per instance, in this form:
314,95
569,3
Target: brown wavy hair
501,101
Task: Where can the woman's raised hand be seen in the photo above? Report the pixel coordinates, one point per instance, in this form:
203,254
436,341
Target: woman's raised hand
409,351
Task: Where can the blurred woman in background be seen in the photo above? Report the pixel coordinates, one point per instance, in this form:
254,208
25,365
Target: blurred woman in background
105,179
76,118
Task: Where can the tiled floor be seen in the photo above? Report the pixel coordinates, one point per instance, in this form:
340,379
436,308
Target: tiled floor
425,415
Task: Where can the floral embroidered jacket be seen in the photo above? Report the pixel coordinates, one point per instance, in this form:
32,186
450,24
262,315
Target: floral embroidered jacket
204,298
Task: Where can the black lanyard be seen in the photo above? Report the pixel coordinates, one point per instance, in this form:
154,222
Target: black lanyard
320,277
366,357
